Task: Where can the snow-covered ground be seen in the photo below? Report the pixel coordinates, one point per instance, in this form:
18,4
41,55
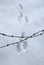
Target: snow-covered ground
9,24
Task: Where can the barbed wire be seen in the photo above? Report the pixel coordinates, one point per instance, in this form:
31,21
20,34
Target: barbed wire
41,32
11,36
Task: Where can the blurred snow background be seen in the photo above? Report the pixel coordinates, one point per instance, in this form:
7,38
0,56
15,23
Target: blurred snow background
9,10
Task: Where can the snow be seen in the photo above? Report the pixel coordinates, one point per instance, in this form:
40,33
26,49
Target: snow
9,24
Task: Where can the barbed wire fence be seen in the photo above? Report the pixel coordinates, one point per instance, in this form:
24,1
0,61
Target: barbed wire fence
22,39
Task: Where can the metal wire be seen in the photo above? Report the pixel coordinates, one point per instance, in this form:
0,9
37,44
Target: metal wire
41,32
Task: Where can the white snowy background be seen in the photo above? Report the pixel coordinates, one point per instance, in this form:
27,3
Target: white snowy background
9,24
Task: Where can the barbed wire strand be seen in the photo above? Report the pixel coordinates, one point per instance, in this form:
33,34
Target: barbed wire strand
12,36
41,32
